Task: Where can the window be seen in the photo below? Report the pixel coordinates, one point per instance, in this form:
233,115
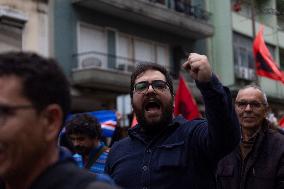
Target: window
243,57
162,55
110,49
133,50
12,22
10,38
143,51
280,18
125,56
92,46
281,56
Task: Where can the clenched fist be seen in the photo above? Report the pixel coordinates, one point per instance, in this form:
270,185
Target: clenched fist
198,67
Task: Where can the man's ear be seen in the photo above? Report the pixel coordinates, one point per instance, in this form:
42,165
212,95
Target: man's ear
267,110
52,117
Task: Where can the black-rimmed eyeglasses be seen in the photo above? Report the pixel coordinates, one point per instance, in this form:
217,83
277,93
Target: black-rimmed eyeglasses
157,85
252,104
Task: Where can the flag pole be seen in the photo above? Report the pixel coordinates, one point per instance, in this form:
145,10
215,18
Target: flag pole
253,18
253,35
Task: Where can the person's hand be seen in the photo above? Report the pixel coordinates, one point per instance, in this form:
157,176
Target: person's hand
198,67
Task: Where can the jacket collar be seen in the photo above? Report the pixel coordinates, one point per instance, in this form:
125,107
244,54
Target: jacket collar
136,132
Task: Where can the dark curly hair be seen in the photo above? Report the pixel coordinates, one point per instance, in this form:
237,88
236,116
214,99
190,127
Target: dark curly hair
84,124
43,81
141,68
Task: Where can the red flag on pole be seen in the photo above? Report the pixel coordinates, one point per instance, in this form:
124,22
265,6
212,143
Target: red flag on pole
281,122
265,65
184,102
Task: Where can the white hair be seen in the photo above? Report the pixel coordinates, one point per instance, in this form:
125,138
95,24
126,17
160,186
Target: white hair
258,88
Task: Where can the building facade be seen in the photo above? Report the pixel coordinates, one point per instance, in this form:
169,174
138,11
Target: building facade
100,42
231,45
24,25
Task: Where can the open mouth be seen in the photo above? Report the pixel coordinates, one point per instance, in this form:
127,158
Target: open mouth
152,106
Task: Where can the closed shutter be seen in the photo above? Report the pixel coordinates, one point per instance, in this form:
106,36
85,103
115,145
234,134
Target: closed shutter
92,45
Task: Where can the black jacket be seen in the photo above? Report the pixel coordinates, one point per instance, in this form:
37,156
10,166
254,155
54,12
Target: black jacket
263,167
65,174
185,154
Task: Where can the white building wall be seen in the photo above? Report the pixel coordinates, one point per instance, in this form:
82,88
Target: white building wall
35,31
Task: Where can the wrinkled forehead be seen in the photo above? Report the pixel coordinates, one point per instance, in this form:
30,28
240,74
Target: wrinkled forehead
150,75
250,94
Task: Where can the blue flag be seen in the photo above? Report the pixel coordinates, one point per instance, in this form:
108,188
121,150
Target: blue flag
108,121
107,118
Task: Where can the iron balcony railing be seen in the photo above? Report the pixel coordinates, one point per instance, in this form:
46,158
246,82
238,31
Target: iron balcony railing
186,8
105,61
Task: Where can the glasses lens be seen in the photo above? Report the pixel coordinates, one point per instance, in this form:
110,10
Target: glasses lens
244,104
4,112
141,86
241,104
255,104
159,85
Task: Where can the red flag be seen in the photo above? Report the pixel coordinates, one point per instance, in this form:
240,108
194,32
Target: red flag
184,102
134,120
281,122
265,65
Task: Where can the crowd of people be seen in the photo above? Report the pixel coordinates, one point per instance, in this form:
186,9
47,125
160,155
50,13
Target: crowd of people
234,147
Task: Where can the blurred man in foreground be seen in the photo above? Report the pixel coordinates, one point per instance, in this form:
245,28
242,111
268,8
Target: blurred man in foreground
34,100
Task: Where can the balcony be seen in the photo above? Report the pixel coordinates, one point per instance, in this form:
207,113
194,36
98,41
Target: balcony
180,19
103,71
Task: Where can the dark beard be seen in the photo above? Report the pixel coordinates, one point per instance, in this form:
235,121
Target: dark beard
154,128
82,150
